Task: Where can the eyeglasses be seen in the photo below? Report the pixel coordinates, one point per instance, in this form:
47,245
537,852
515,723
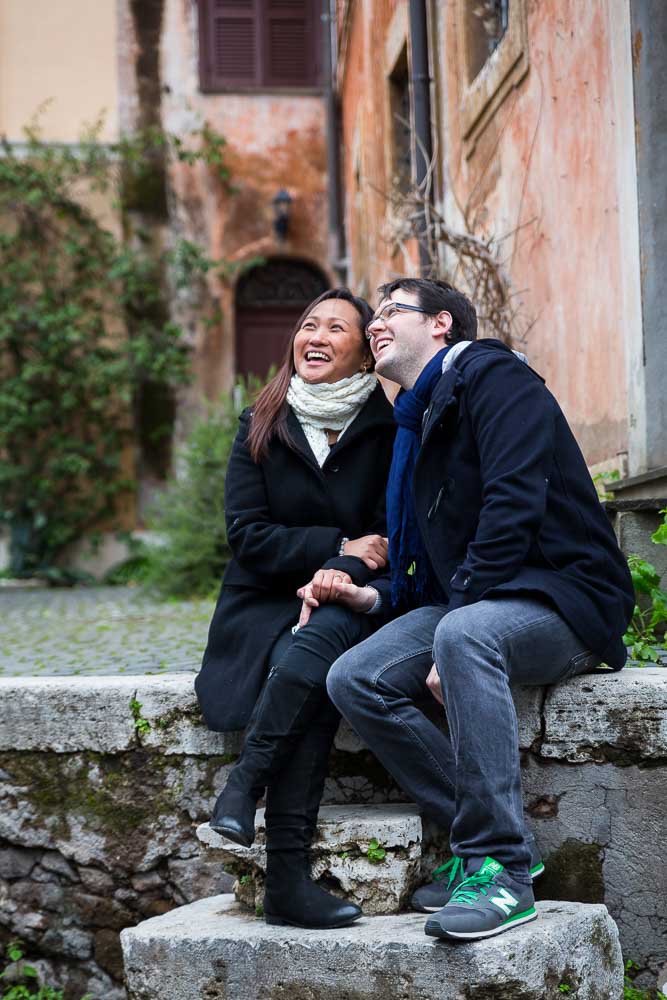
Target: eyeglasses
387,312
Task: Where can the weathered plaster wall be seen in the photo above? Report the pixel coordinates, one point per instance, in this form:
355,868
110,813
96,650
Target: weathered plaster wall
552,172
551,161
62,53
274,140
374,35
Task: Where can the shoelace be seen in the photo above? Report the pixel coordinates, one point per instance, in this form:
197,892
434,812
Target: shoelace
454,868
472,886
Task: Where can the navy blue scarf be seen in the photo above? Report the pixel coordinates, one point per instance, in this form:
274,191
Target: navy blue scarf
409,564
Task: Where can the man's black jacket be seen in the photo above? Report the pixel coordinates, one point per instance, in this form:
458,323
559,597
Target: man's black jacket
505,502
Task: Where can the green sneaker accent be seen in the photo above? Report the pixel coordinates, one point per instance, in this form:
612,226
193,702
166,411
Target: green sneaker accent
479,882
487,902
520,916
489,865
453,867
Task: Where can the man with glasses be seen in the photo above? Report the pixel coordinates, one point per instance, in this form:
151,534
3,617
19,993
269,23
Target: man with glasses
507,570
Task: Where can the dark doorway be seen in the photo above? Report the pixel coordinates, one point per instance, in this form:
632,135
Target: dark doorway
269,301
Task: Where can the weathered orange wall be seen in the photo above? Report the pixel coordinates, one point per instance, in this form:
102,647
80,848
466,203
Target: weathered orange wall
548,162
373,28
273,141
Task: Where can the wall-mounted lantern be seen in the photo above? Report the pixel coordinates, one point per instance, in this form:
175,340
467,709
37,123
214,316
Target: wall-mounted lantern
282,204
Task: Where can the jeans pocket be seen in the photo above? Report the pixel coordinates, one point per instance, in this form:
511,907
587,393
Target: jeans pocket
581,664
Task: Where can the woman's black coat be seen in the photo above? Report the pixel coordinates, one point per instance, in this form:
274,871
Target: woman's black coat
285,519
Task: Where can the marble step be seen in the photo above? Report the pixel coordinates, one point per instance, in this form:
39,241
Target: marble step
215,950
368,854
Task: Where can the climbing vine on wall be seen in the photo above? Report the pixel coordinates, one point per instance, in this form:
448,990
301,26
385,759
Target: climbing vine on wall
83,325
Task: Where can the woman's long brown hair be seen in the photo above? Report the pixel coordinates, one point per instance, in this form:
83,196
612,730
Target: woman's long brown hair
269,414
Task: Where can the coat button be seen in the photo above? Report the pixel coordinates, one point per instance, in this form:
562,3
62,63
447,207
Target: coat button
333,468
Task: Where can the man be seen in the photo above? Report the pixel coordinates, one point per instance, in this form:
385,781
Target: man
495,529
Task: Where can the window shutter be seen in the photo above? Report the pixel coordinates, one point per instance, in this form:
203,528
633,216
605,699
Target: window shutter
255,43
230,53
291,43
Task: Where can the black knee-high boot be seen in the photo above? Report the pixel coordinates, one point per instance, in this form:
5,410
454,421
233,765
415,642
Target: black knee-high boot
293,694
288,703
293,800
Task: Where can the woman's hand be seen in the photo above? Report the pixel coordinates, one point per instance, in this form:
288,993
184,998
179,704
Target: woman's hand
324,585
371,549
333,586
433,684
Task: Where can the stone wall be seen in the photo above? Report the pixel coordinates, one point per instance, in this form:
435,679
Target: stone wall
100,799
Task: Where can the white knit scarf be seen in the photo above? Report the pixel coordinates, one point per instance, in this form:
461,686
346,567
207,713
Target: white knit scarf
329,406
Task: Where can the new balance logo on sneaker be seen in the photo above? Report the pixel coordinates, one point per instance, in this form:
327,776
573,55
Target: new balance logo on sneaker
432,897
487,902
505,900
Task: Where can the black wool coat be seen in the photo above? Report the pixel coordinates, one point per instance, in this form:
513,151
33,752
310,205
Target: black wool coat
505,502
286,519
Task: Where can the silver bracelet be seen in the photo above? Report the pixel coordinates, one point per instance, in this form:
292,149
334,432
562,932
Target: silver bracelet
341,549
377,603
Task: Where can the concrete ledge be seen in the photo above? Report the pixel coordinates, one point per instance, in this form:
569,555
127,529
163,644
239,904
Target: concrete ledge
617,717
213,950
585,719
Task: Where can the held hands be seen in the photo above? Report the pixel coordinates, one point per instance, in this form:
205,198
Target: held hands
332,585
371,549
433,684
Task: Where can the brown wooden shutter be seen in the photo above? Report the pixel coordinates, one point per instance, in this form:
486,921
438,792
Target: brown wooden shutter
291,43
230,53
254,43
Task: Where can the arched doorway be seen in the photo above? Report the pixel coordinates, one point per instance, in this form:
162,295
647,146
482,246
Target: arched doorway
269,300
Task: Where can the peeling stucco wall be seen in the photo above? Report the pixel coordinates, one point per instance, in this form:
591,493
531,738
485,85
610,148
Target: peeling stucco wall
552,174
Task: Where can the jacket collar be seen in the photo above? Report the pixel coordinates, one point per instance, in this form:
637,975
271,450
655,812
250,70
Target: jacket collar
454,364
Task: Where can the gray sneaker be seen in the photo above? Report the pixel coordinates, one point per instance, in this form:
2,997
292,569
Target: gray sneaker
487,902
432,897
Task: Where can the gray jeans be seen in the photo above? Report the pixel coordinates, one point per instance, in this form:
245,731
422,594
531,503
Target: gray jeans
468,781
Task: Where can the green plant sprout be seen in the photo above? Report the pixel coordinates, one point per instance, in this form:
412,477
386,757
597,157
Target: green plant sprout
141,725
375,853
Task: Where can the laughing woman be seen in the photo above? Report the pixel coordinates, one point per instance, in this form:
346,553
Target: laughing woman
304,495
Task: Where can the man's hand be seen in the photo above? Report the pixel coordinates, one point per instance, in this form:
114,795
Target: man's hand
333,586
433,684
371,549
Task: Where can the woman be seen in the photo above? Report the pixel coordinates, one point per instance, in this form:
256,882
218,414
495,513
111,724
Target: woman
304,495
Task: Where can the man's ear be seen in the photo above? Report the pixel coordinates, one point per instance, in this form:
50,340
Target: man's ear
442,324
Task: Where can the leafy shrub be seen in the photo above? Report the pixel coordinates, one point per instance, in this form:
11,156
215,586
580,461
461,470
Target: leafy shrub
645,634
631,992
84,329
190,514
24,980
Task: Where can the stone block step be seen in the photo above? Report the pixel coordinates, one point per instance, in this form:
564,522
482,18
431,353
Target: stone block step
215,950
372,854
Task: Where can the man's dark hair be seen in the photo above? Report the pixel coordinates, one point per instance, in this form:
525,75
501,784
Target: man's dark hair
434,296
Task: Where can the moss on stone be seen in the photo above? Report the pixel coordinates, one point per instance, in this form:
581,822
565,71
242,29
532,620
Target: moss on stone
574,873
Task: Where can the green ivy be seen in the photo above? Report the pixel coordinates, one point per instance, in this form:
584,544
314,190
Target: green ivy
84,327
646,632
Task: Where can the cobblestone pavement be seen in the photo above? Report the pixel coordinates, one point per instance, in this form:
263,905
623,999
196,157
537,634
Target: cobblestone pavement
99,630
